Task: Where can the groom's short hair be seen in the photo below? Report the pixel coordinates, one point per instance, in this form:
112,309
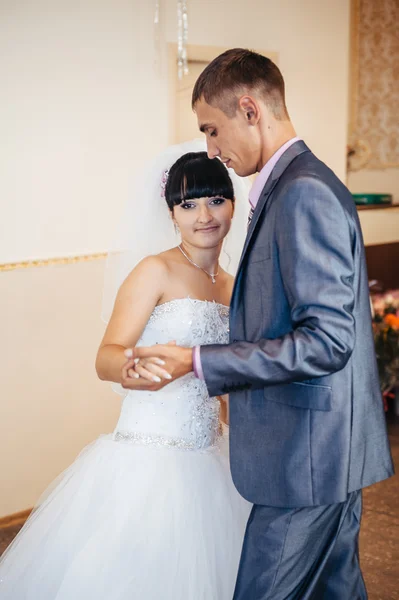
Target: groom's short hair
236,72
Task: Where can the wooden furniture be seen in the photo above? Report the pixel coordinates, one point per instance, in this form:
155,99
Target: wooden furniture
383,264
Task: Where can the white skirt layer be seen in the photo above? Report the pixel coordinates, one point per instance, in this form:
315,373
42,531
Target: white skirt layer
130,522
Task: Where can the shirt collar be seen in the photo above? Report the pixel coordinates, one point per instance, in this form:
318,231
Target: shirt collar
265,173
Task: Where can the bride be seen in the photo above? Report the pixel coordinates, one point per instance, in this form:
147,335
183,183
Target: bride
150,512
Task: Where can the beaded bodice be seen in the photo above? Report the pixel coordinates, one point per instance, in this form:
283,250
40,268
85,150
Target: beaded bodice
181,414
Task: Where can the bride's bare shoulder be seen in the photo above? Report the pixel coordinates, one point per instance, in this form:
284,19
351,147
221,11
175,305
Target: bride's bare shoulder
151,268
163,262
169,255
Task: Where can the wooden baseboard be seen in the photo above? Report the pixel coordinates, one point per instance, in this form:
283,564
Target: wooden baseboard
14,519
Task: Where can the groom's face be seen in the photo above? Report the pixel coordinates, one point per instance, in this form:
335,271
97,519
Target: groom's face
235,141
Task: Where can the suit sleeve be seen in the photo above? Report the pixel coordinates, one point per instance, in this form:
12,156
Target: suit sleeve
313,239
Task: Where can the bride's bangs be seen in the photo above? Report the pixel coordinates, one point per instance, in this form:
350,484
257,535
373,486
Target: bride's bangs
199,177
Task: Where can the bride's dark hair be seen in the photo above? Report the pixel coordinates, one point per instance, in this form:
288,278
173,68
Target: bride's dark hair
194,175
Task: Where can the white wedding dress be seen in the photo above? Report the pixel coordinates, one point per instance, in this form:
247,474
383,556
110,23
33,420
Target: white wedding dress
146,513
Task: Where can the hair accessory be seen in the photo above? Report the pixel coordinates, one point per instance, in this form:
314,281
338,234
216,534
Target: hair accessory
164,181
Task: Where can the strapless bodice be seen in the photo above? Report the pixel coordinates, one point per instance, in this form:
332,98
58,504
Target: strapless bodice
181,415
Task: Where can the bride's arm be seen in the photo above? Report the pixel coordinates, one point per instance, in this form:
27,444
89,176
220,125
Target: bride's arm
136,299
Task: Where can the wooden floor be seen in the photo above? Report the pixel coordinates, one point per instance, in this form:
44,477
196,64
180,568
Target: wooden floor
379,540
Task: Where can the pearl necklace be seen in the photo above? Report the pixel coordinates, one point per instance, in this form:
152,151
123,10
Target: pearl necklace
211,275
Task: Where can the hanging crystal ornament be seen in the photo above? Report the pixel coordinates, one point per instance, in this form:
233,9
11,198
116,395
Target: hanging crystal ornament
182,38
156,15
157,37
185,37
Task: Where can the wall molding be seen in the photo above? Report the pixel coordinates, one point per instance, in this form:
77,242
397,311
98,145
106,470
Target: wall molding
47,262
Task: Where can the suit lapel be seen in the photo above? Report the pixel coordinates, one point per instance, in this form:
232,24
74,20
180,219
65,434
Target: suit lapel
286,159
289,155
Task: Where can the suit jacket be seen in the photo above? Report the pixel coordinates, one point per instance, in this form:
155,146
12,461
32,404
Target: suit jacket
307,424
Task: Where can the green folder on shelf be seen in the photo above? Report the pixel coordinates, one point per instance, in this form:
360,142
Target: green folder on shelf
372,198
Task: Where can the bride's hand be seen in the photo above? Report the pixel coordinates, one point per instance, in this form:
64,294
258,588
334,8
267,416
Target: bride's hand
148,368
131,380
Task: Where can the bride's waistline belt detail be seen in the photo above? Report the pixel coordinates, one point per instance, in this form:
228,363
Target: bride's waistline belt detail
144,439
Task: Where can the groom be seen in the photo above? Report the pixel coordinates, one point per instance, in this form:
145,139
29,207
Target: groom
307,426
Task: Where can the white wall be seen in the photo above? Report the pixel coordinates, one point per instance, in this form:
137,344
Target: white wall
51,402
83,107
379,226
384,181
311,38
72,122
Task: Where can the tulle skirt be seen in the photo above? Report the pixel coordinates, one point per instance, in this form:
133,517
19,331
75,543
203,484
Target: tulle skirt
130,522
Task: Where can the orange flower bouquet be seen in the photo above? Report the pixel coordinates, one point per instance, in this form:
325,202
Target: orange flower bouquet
386,338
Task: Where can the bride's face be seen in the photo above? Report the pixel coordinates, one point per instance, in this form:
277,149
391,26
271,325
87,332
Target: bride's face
204,222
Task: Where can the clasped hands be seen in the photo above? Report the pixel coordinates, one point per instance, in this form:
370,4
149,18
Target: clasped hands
154,367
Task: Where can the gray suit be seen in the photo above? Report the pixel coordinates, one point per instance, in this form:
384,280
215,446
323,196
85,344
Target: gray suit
307,426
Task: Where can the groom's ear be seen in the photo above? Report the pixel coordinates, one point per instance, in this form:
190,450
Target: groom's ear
249,108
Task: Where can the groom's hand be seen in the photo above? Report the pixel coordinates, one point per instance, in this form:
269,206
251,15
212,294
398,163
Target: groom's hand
175,360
